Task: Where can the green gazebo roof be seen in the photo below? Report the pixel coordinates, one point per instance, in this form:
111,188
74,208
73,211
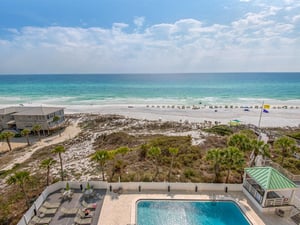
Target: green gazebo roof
269,178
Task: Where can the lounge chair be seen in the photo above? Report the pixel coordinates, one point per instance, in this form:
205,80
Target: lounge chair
69,212
49,205
46,211
67,195
118,190
80,221
81,214
88,206
37,220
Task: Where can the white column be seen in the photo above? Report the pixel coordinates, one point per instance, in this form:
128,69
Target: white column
292,196
264,198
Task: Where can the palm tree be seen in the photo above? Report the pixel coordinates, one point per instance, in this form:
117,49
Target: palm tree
241,141
47,163
58,150
232,158
7,135
26,133
119,164
259,148
154,153
55,119
215,155
1,137
20,178
286,145
240,166
173,152
37,128
101,157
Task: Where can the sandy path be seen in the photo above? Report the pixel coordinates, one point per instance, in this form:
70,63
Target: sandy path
70,132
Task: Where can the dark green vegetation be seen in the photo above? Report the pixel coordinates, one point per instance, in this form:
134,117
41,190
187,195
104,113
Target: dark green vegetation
132,150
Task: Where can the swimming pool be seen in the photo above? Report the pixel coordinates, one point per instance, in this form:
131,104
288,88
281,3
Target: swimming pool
177,212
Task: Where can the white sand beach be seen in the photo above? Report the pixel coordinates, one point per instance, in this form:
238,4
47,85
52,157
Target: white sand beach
275,118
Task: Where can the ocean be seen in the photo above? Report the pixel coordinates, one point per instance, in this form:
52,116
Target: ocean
181,89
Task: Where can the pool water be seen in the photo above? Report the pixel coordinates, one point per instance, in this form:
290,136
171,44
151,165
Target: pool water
174,212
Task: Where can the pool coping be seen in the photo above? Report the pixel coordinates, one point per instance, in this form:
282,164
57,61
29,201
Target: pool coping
249,213
243,211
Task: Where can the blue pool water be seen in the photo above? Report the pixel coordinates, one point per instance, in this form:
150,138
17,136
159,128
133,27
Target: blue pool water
164,212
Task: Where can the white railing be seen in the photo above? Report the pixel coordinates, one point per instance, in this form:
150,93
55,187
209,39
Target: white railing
276,202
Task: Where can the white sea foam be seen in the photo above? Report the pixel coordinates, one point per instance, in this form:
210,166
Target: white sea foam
71,101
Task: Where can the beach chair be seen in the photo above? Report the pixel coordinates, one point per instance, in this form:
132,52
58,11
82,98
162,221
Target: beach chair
49,205
88,206
119,190
81,214
36,220
46,211
80,221
67,195
68,212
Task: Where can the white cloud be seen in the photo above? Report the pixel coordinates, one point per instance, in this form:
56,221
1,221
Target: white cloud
296,19
245,0
139,21
256,42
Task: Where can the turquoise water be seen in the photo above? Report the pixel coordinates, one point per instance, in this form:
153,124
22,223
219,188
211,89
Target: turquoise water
87,89
164,212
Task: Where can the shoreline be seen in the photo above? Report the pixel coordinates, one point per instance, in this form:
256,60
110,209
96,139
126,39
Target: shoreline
278,115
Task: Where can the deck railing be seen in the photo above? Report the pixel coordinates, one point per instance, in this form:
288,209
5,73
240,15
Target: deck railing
277,202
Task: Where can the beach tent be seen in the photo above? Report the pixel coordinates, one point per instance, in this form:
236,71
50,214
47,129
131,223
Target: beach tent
235,122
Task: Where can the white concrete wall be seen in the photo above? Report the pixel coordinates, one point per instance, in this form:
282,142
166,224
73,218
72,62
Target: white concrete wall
176,186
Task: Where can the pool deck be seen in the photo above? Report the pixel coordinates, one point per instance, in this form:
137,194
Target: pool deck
120,209
75,202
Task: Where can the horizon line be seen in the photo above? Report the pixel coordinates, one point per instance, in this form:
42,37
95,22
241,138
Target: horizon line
141,73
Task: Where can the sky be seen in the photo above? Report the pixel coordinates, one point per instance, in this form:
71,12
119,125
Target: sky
149,36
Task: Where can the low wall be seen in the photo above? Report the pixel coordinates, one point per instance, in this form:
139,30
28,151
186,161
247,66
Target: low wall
130,186
140,186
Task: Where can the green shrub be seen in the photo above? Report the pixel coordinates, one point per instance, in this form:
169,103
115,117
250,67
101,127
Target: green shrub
147,178
189,173
17,135
295,135
222,130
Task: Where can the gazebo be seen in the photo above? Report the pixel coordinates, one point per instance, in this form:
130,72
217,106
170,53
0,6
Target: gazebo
267,188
